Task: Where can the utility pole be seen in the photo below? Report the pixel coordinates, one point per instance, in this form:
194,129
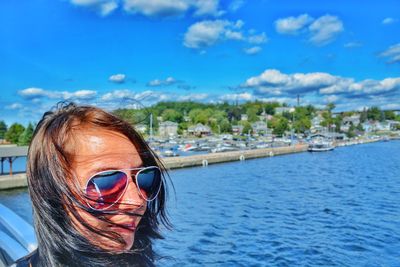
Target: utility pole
151,126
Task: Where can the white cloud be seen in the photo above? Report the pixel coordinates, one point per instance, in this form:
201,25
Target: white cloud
233,35
258,39
267,78
322,30
156,8
166,82
392,53
206,33
167,8
193,97
103,7
325,29
252,50
331,99
388,21
292,25
235,5
237,97
35,93
14,106
118,94
117,78
274,82
81,94
352,45
207,7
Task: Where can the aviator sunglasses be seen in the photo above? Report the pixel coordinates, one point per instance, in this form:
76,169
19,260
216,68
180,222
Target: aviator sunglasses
105,188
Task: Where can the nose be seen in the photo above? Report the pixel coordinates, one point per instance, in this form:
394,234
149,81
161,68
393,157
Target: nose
132,196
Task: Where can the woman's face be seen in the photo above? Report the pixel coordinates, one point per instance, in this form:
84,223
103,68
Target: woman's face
97,150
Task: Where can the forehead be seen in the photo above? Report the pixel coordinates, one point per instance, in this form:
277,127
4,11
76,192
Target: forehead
96,148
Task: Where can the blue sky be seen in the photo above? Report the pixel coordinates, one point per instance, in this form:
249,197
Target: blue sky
102,51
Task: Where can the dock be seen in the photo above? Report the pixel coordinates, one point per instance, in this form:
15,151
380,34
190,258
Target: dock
19,180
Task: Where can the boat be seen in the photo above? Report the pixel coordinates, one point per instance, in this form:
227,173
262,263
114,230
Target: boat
170,153
17,237
320,145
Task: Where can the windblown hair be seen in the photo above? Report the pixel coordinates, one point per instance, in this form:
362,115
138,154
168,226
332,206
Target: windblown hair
55,200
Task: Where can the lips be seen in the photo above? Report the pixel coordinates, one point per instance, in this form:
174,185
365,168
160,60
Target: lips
123,226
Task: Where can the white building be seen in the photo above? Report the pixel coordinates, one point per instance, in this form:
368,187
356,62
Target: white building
168,128
199,130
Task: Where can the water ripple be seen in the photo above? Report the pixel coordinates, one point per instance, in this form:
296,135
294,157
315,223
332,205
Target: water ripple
330,209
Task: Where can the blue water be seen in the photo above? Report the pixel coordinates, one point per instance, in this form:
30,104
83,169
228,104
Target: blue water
338,208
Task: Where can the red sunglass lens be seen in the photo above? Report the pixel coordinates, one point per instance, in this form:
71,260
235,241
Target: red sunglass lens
104,189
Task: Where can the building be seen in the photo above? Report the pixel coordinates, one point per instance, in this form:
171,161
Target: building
260,127
168,128
199,130
348,121
237,129
316,124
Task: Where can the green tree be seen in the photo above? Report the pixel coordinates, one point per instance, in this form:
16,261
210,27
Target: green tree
374,113
330,106
226,127
360,127
363,116
26,137
390,115
247,127
252,114
279,125
13,133
351,132
172,115
3,129
270,107
302,125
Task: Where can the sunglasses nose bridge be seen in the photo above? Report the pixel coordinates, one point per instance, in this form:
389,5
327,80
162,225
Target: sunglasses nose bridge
131,194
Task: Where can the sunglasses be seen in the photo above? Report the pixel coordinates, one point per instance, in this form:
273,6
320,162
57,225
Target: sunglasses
105,188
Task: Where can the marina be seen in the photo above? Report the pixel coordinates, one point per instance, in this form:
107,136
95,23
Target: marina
17,180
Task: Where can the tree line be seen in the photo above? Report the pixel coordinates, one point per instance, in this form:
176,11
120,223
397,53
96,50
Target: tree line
17,133
220,117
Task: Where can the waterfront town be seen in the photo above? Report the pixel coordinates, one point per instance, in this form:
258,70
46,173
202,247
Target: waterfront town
188,128
250,121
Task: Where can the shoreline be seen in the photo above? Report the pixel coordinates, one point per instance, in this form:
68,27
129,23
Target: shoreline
18,180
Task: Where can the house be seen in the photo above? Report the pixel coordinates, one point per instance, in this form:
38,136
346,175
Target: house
316,124
237,129
260,127
244,117
348,121
383,126
369,126
168,128
199,130
393,124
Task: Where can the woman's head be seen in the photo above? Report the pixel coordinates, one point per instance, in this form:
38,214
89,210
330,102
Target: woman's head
86,205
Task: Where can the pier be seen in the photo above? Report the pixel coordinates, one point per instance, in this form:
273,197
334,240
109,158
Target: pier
10,153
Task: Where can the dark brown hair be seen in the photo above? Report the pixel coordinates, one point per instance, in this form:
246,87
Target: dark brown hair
55,201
